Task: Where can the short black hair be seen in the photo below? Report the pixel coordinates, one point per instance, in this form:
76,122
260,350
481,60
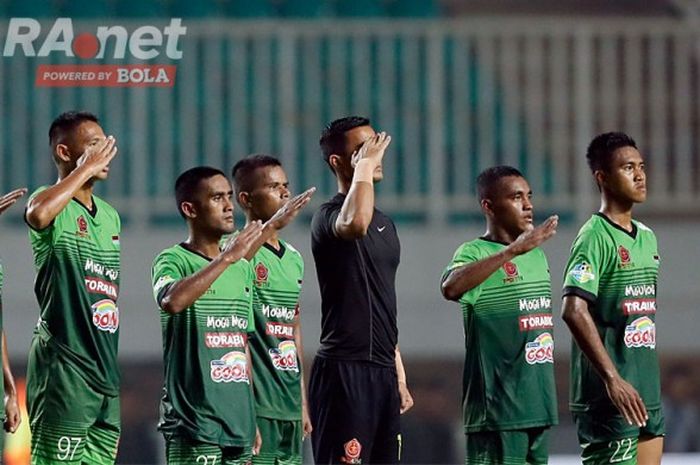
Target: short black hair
602,147
243,170
488,179
187,183
333,135
67,122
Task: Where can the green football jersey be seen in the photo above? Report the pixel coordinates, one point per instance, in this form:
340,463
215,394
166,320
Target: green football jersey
77,285
508,328
278,276
207,395
616,272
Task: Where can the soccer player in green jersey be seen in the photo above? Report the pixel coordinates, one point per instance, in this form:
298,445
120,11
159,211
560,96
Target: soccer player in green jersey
72,373
262,189
12,418
503,285
610,308
204,291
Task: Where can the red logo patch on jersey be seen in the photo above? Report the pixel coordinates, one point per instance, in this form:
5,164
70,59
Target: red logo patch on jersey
353,449
261,274
82,226
511,271
624,254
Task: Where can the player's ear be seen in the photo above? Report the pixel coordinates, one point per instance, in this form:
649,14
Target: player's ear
244,199
61,153
335,162
486,206
600,177
187,209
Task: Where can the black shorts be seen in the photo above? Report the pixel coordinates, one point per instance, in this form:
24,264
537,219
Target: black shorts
354,408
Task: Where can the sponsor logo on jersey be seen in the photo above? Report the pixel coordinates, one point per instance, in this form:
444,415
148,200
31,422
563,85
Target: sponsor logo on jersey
279,330
582,273
225,322
538,303
162,281
277,312
511,271
105,315
231,368
284,357
541,350
82,226
625,260
261,274
641,333
535,321
100,269
638,306
637,290
353,450
225,340
100,286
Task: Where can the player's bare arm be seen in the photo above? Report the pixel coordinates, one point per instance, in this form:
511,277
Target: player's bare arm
468,276
9,199
622,394
185,292
404,393
12,413
47,204
358,207
281,219
307,427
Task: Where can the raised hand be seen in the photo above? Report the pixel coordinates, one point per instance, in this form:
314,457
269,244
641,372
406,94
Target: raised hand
373,149
97,157
291,209
535,236
628,401
7,200
237,246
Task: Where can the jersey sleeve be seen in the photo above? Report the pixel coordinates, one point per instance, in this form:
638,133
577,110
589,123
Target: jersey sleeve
586,261
165,272
465,254
41,237
323,222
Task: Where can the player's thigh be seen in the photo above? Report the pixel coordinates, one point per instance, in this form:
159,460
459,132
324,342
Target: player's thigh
281,442
538,446
184,451
650,449
387,443
497,447
237,456
103,435
63,409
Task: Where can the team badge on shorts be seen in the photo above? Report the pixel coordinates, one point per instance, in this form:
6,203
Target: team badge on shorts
353,449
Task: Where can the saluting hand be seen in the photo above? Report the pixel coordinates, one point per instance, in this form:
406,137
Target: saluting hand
237,246
7,200
291,209
373,149
535,236
97,157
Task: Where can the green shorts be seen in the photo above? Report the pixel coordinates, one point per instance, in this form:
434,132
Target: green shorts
281,442
508,447
71,423
606,437
183,451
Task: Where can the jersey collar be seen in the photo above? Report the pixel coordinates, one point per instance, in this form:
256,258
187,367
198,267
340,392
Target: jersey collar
632,234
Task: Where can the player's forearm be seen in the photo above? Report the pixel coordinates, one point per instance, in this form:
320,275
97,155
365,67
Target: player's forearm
583,329
186,291
467,277
358,208
47,204
400,371
9,381
300,356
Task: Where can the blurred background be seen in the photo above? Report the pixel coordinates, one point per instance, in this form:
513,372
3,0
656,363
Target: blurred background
459,84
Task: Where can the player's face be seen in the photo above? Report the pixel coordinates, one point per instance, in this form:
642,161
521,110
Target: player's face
271,192
511,205
626,177
87,134
354,139
214,205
